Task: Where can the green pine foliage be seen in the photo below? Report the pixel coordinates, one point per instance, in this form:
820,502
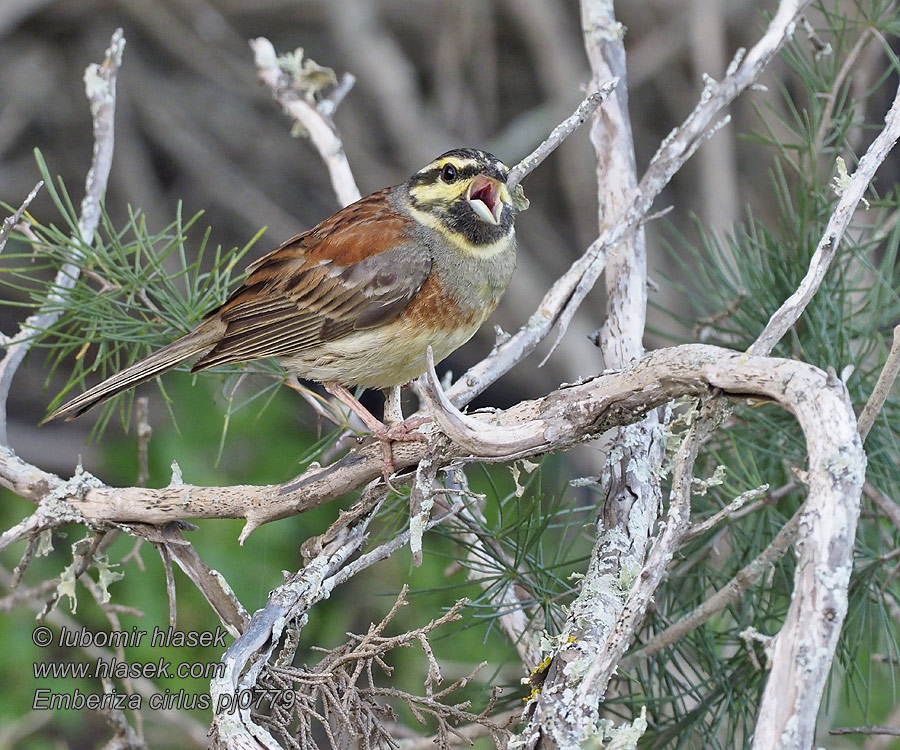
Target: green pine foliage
704,690
136,289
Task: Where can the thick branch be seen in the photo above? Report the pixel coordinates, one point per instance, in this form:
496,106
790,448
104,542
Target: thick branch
630,476
557,421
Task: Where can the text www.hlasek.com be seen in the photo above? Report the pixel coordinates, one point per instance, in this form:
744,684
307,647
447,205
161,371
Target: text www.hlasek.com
103,668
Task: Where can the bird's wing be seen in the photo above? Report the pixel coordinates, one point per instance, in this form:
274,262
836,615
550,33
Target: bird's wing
322,285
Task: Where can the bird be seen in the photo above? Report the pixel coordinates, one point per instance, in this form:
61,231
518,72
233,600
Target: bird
358,299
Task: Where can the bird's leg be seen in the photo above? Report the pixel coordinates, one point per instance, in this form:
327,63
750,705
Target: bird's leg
401,431
393,416
393,406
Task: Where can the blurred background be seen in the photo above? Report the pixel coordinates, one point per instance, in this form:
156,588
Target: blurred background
194,125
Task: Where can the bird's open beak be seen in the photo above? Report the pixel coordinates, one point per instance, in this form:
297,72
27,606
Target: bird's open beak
487,196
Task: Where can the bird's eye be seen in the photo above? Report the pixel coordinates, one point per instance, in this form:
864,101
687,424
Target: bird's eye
449,173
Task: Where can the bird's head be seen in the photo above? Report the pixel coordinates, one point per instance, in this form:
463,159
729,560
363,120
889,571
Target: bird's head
463,194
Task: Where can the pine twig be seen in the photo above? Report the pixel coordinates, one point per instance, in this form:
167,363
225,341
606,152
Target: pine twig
100,85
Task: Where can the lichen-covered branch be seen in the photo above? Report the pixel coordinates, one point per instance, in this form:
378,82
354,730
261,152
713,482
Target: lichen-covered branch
559,420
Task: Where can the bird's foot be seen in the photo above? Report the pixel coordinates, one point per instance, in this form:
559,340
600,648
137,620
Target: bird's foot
402,432
399,432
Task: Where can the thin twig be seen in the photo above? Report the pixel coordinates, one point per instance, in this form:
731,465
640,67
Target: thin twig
163,550
25,560
562,131
882,388
890,731
10,221
885,504
725,513
80,563
144,433
211,584
100,86
792,308
730,593
321,130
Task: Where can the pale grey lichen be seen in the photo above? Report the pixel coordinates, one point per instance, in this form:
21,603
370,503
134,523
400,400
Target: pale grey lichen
177,479
702,486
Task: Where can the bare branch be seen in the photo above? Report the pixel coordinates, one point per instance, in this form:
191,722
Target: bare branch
421,496
291,601
730,593
144,433
172,545
882,388
475,436
170,582
792,308
727,512
316,121
53,510
559,134
100,86
889,731
10,221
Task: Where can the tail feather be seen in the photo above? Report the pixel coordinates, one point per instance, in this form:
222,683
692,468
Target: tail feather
198,341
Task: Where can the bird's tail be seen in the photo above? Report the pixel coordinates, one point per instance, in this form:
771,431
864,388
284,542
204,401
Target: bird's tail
198,341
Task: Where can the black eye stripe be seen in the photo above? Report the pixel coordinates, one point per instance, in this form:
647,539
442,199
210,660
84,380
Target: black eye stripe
470,170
